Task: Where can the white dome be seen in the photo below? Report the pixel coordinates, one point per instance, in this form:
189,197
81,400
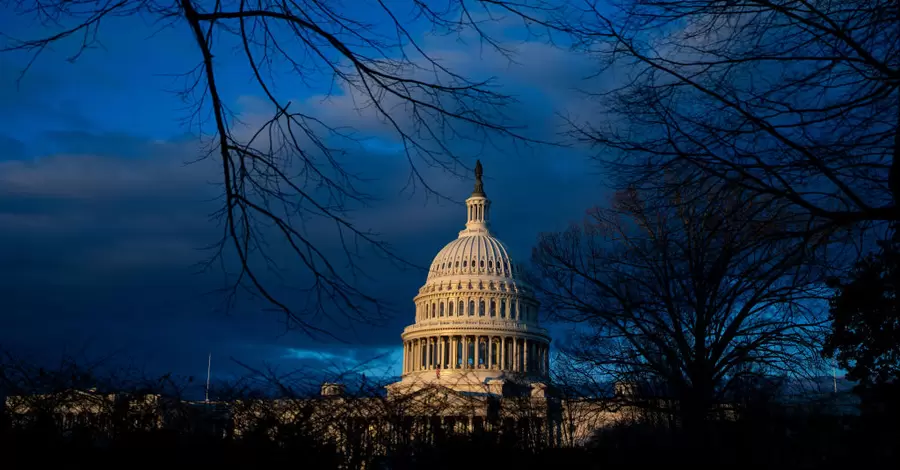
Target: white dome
474,320
473,254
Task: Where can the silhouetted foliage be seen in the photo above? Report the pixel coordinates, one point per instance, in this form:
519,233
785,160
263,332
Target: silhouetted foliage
865,328
791,100
421,429
683,301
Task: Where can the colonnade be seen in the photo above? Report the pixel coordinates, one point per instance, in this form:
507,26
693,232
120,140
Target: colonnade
492,307
484,352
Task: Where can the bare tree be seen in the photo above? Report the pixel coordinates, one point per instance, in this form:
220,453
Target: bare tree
681,302
290,171
795,100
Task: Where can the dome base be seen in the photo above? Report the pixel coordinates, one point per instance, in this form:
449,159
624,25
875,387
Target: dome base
461,380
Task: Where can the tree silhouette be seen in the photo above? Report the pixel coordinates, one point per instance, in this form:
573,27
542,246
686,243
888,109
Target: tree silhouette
684,302
865,325
791,100
291,171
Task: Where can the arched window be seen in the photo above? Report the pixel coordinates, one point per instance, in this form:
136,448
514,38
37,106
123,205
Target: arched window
442,309
493,308
450,309
481,308
502,308
471,308
462,308
433,310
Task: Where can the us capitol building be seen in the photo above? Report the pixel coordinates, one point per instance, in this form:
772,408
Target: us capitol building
476,321
475,359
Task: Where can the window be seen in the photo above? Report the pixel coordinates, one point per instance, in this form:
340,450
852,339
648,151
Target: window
464,263
450,309
433,310
442,309
493,308
482,263
481,308
490,264
457,264
502,308
471,308
462,308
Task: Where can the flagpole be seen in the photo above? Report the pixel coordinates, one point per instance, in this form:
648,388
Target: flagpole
208,368
834,373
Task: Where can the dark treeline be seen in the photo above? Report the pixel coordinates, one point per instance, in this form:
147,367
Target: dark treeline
51,413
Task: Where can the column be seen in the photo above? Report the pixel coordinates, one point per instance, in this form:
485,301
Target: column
540,358
525,356
475,364
451,342
465,351
516,352
453,350
502,353
490,352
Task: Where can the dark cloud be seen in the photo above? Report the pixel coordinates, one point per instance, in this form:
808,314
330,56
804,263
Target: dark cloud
99,231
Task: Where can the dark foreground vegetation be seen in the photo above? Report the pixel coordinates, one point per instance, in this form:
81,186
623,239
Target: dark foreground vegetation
772,441
96,428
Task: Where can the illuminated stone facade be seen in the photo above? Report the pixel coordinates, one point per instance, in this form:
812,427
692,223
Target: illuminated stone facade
476,321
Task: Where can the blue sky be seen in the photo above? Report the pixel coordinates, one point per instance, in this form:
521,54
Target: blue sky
101,221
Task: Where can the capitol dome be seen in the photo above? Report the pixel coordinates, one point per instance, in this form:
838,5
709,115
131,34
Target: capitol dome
476,254
476,320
